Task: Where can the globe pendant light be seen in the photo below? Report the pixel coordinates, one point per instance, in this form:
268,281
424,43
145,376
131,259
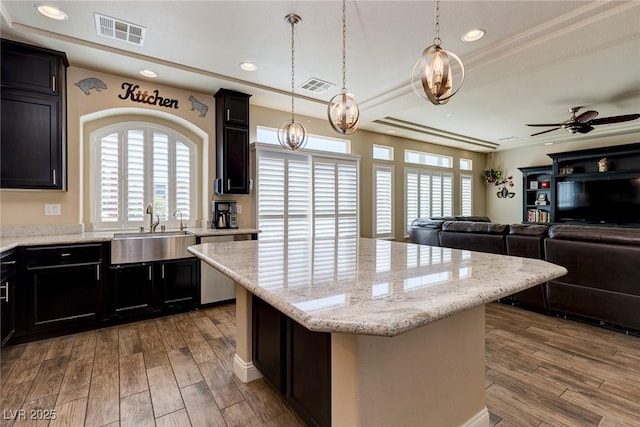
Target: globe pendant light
292,135
432,77
343,112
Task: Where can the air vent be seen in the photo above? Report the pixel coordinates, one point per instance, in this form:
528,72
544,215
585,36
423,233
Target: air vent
316,86
119,29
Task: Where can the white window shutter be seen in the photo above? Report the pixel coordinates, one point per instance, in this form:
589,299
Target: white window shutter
383,201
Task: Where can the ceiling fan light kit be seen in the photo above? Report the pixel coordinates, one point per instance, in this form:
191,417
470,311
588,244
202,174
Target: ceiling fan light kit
584,122
292,134
432,76
343,111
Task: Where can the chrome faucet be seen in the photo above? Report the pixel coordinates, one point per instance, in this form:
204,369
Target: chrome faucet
152,224
182,225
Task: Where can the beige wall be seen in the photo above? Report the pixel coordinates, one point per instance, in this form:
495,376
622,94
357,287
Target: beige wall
509,211
86,113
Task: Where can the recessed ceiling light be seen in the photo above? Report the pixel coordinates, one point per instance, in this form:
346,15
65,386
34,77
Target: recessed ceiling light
248,66
450,114
473,35
148,73
52,12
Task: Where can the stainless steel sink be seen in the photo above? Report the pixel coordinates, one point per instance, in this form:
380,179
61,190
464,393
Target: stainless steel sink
134,247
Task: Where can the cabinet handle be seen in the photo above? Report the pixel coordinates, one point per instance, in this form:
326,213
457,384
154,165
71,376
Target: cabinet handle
5,298
54,177
98,271
65,254
7,262
53,83
163,271
228,114
228,184
149,273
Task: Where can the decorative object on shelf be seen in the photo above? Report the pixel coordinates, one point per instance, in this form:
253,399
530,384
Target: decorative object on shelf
603,165
343,111
292,135
432,76
545,184
568,170
533,185
542,199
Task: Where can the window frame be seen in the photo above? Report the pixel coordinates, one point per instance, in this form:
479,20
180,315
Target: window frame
148,129
420,172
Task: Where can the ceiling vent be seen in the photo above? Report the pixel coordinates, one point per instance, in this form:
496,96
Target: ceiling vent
119,29
316,86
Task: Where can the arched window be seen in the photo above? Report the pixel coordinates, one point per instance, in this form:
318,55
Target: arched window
135,164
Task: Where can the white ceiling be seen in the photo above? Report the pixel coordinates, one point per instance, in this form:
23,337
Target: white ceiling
538,58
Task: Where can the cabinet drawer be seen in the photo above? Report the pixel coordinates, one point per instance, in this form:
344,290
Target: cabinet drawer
62,255
7,265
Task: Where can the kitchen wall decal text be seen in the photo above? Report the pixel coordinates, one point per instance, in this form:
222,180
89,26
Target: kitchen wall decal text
145,98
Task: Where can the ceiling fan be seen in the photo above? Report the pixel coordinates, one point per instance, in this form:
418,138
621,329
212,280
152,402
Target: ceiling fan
584,122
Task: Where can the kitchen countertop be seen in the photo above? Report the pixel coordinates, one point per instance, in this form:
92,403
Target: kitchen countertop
371,287
7,243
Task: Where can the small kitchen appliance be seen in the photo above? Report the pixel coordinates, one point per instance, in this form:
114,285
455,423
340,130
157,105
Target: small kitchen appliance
224,214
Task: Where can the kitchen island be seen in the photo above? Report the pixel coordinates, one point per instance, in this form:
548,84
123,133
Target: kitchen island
406,321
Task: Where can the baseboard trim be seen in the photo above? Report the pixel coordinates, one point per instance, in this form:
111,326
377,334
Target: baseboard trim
481,419
246,372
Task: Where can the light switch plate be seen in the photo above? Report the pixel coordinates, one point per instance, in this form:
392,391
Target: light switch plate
239,208
51,209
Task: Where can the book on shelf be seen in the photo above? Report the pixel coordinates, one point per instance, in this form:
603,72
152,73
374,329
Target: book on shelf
538,215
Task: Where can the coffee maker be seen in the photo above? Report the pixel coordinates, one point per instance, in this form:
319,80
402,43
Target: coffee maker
224,214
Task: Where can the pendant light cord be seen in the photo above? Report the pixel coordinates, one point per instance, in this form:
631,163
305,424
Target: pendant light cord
344,46
293,23
436,40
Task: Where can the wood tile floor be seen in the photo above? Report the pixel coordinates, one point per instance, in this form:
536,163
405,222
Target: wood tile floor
176,371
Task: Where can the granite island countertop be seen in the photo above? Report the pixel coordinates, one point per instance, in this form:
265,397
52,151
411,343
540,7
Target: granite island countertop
34,238
372,287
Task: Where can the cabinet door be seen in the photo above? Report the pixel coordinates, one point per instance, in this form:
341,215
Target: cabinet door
269,342
178,283
63,296
309,373
31,144
27,69
236,110
130,292
236,160
7,298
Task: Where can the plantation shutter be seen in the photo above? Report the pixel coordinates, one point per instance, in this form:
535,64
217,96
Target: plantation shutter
383,201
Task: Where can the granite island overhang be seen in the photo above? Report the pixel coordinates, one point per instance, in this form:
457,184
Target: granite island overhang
406,321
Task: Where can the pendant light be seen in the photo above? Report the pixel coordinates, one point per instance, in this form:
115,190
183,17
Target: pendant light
292,135
433,75
343,112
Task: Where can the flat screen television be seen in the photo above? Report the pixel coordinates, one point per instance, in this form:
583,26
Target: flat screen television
611,201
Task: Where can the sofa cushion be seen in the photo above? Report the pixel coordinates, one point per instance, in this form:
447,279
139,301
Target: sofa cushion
617,235
475,227
538,230
427,223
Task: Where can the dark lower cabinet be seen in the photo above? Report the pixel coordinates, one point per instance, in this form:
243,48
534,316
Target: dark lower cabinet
7,296
295,360
131,289
62,286
137,289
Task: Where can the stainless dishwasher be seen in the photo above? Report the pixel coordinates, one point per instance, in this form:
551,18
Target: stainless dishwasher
215,286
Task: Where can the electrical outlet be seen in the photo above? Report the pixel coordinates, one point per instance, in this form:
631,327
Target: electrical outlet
239,208
51,209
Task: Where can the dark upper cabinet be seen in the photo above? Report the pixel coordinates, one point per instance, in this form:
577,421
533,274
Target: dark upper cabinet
232,142
33,115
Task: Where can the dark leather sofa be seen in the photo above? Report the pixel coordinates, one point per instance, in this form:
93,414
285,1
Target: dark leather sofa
603,282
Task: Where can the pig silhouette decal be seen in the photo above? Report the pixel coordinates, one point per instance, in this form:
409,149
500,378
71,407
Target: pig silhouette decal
87,84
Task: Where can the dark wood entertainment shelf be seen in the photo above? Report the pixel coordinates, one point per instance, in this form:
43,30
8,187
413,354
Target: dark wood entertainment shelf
574,178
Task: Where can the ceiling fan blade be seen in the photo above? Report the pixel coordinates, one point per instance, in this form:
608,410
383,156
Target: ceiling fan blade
546,124
545,131
614,119
586,116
